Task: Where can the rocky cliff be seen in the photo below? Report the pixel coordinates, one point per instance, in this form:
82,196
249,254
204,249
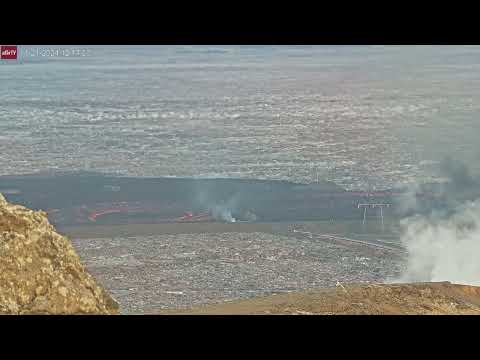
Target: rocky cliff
40,272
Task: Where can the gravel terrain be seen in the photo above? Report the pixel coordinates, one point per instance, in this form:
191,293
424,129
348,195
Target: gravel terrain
173,271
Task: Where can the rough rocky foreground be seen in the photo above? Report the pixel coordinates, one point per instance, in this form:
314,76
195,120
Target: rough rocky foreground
40,272
394,299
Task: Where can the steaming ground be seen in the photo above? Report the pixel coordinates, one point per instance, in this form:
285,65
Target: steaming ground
167,271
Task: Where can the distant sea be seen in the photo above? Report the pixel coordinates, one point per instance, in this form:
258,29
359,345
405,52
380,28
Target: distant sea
366,117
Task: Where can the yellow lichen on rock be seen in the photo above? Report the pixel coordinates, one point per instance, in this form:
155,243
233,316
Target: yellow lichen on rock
40,272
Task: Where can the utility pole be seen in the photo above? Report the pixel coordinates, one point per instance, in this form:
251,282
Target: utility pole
372,206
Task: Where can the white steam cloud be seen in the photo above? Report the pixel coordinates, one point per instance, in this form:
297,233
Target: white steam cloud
222,213
443,244
220,210
443,248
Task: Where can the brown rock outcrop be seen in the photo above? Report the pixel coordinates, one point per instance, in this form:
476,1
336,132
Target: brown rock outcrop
40,272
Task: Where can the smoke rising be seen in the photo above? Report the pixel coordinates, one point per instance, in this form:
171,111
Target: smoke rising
457,172
222,213
407,202
209,199
443,242
443,249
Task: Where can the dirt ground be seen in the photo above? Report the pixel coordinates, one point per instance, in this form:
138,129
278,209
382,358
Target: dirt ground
394,299
135,229
104,231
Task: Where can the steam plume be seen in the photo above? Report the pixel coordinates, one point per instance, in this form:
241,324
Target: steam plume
444,249
222,213
443,243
